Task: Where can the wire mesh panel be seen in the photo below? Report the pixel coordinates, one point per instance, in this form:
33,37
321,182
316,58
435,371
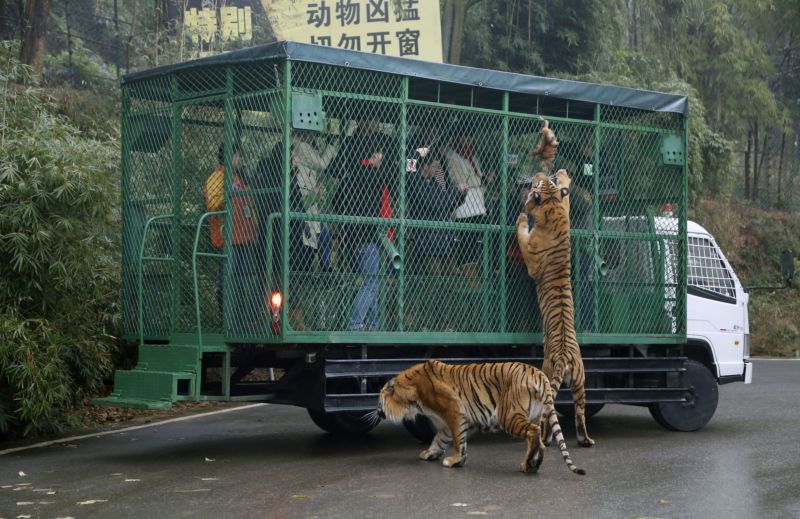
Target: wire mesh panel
353,202
255,198
202,178
147,209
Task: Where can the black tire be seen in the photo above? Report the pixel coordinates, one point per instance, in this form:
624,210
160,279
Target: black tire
346,423
568,410
420,428
702,399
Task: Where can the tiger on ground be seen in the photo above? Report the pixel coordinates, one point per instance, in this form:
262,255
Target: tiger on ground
461,399
546,250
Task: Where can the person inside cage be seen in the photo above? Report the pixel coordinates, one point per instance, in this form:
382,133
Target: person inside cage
464,168
308,166
363,193
431,197
576,156
243,234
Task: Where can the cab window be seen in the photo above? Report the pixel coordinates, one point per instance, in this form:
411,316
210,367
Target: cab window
707,271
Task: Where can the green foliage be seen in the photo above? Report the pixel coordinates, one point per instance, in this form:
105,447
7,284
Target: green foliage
58,257
752,240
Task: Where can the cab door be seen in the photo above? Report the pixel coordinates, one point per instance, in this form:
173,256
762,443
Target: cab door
716,304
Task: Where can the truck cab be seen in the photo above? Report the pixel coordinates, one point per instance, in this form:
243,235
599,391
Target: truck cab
717,307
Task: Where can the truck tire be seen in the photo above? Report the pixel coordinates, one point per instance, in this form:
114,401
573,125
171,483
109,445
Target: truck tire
702,399
345,423
420,428
568,410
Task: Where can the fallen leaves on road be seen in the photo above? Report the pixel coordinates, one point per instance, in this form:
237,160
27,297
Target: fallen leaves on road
190,490
663,501
22,474
383,496
210,459
300,497
131,480
24,503
92,501
459,504
208,479
477,512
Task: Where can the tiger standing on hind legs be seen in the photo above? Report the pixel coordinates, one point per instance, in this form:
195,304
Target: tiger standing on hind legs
546,250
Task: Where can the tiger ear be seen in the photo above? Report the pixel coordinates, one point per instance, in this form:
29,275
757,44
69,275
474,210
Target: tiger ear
564,192
390,385
537,198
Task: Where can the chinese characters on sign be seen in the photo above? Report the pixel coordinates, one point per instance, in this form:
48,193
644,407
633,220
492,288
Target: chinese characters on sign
206,24
394,27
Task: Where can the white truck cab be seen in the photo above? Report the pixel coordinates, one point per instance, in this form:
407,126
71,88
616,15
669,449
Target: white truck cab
717,307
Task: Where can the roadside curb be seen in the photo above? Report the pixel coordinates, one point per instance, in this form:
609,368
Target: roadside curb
125,429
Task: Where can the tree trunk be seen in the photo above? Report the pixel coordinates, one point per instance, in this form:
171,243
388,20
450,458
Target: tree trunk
69,35
764,179
447,29
755,161
453,28
34,34
779,195
747,154
3,20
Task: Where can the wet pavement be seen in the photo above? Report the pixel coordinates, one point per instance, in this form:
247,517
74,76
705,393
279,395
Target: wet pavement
271,461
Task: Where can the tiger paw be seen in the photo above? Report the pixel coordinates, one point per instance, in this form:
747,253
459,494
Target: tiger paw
452,461
586,442
522,219
562,177
429,455
528,468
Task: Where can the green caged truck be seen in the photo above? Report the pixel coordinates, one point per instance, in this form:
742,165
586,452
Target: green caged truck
301,223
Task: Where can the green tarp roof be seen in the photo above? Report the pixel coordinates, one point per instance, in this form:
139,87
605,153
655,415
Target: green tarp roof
506,81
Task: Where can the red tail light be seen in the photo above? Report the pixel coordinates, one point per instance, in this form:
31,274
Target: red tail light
275,301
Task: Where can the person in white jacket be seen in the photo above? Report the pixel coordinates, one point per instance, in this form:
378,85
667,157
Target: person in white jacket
308,165
464,169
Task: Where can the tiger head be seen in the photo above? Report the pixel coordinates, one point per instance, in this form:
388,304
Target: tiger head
400,396
546,195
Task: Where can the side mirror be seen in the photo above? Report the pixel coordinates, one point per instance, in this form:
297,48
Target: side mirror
787,267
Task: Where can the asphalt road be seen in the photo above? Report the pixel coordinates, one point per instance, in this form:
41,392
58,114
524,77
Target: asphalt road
271,461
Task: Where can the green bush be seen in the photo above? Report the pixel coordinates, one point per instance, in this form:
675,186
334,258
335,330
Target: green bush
58,257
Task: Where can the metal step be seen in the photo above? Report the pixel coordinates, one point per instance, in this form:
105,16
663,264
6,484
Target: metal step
369,401
591,365
143,388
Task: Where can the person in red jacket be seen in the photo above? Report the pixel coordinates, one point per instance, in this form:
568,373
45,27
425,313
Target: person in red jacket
243,216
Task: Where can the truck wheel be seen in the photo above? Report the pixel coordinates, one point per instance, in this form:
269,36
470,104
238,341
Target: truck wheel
568,410
342,423
701,401
420,428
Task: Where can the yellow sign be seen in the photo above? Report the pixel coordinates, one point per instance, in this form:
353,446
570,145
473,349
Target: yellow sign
408,28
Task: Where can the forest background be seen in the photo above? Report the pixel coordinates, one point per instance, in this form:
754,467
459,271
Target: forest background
60,64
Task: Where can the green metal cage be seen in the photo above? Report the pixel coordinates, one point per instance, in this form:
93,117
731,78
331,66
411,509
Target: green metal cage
364,199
